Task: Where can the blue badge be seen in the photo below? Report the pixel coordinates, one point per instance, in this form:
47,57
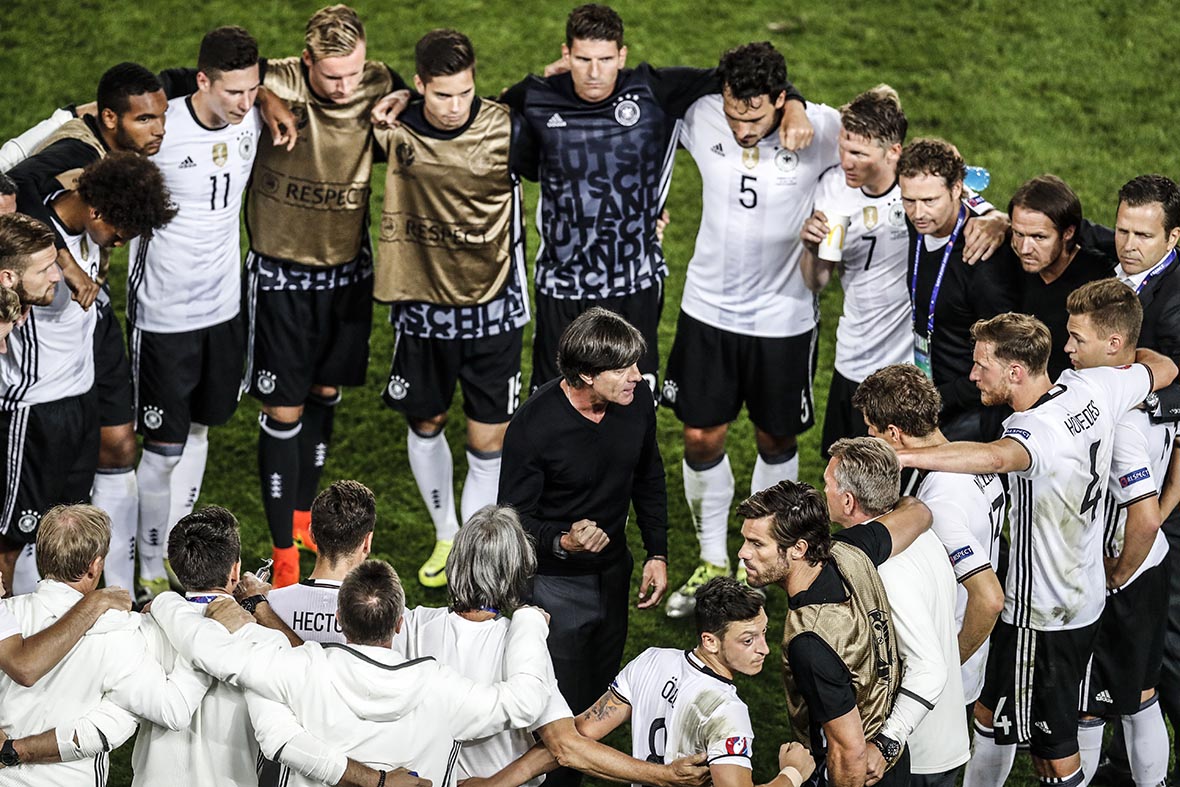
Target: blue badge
959,555
1142,474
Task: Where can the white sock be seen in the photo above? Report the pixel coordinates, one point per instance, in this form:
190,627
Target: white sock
1090,746
767,474
155,499
710,494
990,762
1147,744
117,493
434,470
188,474
25,575
482,484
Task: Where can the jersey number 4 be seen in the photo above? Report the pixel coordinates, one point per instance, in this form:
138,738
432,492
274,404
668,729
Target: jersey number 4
1094,490
224,192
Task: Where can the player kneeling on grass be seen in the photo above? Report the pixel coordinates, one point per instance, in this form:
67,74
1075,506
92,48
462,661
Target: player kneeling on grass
686,699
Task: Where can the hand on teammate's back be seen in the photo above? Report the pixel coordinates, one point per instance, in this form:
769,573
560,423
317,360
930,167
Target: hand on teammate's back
984,235
227,612
115,598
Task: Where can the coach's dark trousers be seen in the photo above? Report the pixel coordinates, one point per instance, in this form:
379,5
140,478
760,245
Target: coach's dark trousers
587,632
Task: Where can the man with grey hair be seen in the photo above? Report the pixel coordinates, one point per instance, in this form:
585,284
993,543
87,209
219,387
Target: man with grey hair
488,573
576,455
861,483
82,709
363,697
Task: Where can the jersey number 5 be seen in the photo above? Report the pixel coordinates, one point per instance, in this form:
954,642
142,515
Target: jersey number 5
749,197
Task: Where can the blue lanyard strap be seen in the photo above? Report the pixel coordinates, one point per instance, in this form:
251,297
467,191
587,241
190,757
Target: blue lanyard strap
946,256
1159,269
203,599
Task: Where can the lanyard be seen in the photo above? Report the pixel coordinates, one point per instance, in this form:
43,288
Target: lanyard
1162,266
946,256
204,599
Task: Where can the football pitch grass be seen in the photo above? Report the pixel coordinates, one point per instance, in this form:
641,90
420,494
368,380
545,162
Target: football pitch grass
1085,90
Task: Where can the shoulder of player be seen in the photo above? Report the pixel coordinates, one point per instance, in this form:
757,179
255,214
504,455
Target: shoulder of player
284,76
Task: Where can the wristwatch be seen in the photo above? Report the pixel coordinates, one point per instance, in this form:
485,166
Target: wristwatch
558,550
8,756
251,604
890,749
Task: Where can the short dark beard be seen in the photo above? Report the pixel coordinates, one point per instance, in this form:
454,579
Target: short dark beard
26,299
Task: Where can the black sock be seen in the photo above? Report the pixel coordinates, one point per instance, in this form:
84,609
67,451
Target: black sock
278,473
319,415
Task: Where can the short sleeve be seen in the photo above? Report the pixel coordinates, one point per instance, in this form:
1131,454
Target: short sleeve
9,627
872,538
624,683
1035,438
966,548
731,739
820,676
557,709
1131,476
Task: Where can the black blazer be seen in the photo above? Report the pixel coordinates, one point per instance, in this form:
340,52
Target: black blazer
1161,329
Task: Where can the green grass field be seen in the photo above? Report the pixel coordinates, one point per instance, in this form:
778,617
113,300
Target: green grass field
1081,89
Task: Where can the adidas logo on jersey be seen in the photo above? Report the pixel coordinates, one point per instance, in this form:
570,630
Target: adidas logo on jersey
1104,696
188,163
720,151
556,121
1043,727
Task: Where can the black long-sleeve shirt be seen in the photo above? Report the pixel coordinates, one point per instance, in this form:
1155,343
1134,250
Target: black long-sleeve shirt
968,293
559,467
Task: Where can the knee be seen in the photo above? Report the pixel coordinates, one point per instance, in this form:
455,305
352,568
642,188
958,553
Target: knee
283,414
705,445
428,427
117,448
770,445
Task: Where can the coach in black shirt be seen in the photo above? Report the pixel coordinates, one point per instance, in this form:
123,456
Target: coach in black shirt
947,296
578,453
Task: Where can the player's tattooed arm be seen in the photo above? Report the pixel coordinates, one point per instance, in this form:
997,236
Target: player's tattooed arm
608,712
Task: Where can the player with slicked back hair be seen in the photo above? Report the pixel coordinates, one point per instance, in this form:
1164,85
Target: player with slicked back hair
458,308
184,292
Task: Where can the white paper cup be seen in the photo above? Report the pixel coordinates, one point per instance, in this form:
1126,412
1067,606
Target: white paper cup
832,247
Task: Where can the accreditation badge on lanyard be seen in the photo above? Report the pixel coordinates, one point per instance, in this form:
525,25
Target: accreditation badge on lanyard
922,343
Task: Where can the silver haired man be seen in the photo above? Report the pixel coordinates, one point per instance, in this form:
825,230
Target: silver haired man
488,572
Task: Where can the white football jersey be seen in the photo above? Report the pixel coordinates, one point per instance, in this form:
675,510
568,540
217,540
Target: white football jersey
188,275
475,649
874,330
309,608
681,707
968,512
744,273
1142,452
1055,575
51,353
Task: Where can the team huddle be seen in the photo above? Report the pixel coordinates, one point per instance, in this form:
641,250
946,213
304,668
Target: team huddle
999,432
